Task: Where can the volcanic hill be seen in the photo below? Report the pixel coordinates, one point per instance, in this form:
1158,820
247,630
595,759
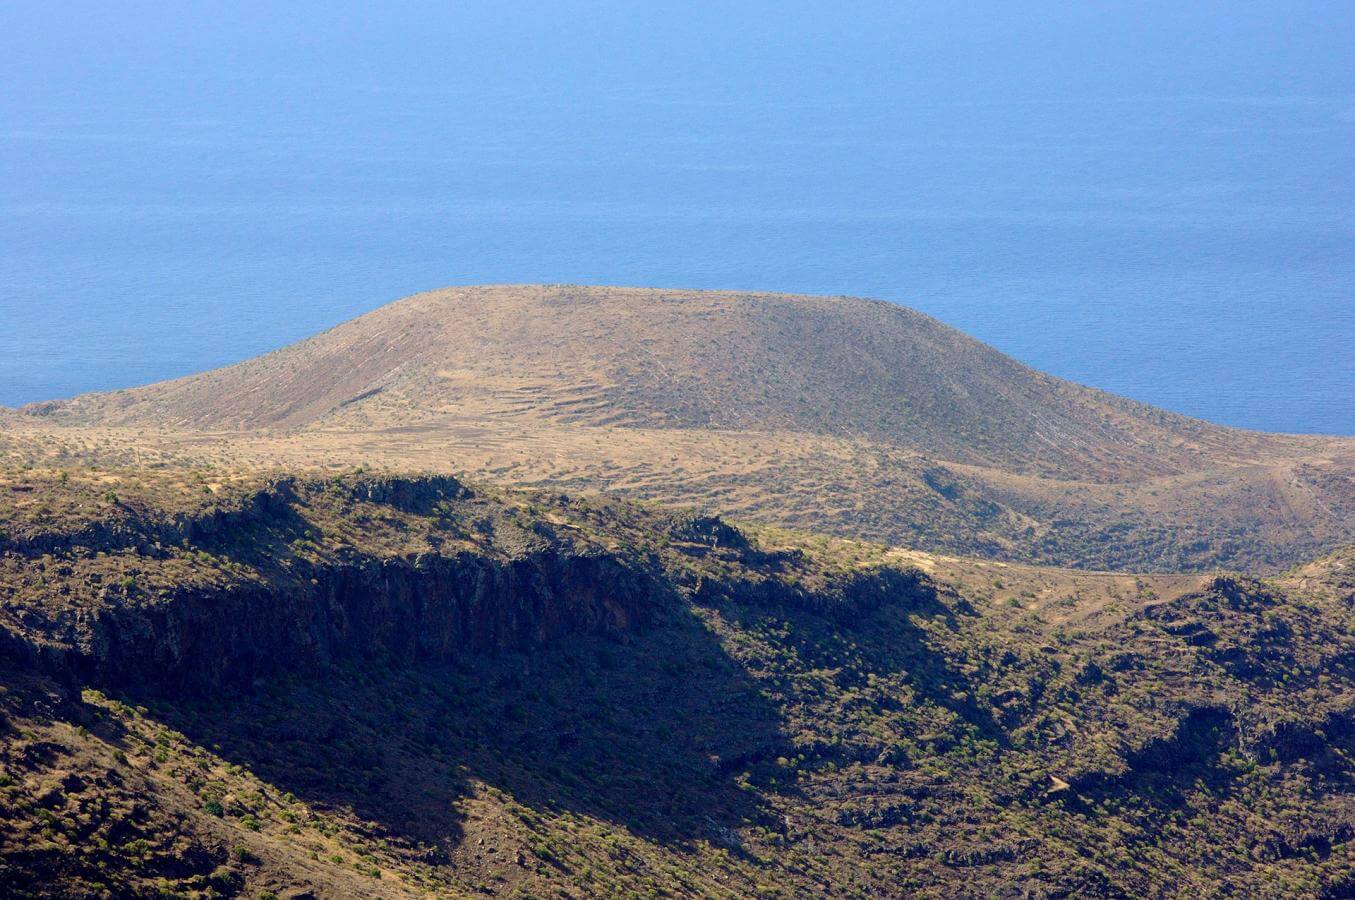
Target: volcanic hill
856,417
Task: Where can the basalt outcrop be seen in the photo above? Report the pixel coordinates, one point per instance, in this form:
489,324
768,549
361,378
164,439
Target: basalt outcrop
122,613
274,579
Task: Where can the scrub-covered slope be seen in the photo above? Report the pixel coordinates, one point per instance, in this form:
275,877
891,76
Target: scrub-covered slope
389,686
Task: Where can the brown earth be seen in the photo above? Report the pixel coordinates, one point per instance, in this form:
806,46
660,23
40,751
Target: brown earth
856,417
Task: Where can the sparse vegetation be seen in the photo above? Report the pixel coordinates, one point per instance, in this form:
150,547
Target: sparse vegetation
253,663
765,712
854,417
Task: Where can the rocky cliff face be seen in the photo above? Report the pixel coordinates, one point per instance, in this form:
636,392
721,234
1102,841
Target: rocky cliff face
310,610
298,575
426,609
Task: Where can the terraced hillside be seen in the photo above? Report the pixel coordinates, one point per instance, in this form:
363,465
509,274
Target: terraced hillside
858,417
365,685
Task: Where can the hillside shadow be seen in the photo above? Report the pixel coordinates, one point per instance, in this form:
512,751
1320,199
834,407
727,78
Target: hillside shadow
632,731
881,638
897,643
1165,772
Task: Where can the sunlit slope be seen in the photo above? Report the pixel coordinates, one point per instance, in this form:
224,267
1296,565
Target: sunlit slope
853,416
607,356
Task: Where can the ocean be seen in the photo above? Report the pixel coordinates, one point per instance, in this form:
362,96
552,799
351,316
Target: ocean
176,196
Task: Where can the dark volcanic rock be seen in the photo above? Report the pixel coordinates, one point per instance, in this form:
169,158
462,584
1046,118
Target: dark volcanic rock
429,608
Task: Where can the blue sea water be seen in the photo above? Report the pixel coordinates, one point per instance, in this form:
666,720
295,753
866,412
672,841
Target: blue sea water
1155,201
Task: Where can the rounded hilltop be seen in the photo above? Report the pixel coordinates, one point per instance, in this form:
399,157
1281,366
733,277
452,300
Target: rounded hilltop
856,417
710,360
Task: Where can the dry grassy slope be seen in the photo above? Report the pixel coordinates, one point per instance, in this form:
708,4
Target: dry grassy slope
828,414
1332,575
822,365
